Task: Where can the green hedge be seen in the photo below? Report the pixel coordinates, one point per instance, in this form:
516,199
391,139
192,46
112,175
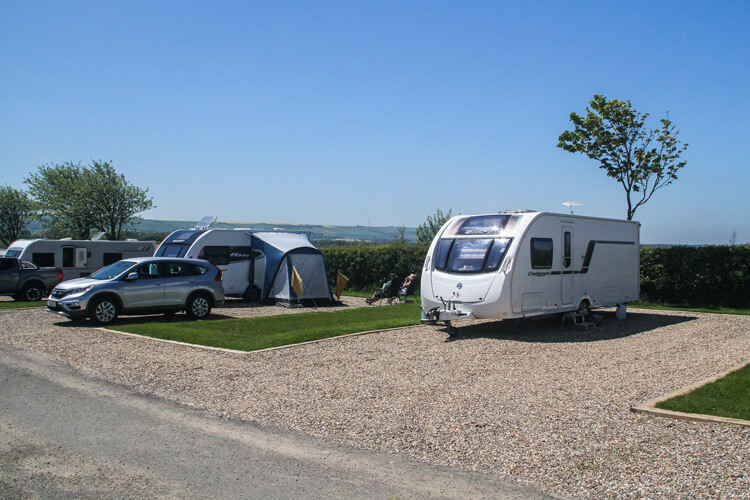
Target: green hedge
367,266
696,276
690,276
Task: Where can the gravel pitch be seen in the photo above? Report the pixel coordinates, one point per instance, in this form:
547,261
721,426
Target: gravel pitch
532,401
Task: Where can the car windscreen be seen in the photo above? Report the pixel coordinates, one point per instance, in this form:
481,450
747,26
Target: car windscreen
113,270
471,255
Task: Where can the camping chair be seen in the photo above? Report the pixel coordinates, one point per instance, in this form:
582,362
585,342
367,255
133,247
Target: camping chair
390,294
404,296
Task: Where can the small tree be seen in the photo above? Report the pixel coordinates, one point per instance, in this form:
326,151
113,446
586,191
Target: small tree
114,201
15,210
75,199
613,133
400,238
426,232
63,195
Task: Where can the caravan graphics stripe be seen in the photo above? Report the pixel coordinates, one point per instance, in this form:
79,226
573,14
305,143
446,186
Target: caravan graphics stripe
586,258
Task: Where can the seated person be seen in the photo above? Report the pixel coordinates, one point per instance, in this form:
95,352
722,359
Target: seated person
384,290
405,285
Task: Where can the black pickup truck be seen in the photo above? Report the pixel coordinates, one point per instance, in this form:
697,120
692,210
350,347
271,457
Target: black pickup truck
25,281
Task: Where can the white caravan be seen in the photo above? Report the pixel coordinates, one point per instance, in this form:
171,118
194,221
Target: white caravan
78,258
229,250
517,264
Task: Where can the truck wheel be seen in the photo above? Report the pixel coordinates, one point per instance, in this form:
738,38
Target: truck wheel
104,311
198,306
31,292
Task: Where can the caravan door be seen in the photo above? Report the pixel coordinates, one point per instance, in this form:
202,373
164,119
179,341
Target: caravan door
567,280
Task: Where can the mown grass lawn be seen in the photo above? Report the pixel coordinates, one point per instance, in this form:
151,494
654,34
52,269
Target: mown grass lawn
16,304
727,397
714,310
251,334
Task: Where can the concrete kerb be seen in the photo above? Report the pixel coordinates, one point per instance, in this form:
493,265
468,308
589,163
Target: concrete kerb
649,407
235,351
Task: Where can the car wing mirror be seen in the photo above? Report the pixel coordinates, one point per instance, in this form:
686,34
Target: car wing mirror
131,276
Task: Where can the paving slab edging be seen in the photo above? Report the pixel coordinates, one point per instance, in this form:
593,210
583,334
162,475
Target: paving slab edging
649,407
235,351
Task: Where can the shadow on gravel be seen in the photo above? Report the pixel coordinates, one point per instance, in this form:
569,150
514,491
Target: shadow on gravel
549,330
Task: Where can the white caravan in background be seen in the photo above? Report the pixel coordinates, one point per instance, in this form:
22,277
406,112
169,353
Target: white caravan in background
517,264
228,249
78,258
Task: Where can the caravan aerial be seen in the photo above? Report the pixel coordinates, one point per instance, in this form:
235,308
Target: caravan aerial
517,264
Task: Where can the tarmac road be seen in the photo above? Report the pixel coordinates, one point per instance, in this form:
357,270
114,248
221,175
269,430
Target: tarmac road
64,435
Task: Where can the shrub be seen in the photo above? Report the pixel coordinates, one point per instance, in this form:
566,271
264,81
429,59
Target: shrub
710,276
367,266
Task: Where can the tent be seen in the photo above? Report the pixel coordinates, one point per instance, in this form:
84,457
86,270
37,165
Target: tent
295,271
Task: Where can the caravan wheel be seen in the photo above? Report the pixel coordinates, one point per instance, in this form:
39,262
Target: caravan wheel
584,308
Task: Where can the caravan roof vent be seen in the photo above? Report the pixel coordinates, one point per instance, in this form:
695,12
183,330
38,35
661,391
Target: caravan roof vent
98,236
205,222
518,211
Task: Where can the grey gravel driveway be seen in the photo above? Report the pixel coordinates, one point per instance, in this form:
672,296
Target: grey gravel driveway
545,405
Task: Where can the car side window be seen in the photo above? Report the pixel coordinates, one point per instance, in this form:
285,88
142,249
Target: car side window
174,269
196,270
148,271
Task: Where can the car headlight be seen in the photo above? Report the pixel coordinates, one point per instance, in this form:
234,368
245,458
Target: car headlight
74,291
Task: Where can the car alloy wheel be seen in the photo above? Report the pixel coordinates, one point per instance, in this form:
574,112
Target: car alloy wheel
198,307
105,311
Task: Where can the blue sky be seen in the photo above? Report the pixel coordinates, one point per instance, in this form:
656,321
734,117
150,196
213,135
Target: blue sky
377,113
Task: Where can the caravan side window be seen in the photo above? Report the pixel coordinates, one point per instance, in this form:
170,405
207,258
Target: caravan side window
541,253
43,259
441,254
238,254
216,255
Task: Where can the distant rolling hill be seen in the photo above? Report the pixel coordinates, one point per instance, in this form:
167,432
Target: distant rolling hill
316,232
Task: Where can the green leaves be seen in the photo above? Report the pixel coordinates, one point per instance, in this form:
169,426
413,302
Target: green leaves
612,133
427,231
15,209
74,200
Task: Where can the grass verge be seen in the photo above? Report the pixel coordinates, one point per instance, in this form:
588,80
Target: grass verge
17,304
727,397
714,310
252,334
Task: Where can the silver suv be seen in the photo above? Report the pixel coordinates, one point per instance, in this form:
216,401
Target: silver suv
141,286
